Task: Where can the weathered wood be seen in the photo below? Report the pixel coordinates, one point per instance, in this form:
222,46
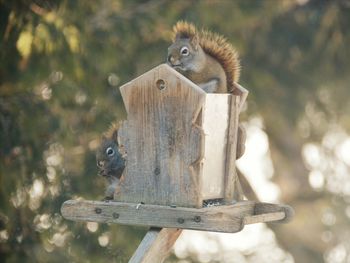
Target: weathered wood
266,208
177,138
233,188
242,93
228,218
238,193
263,218
156,245
230,176
163,141
223,219
215,127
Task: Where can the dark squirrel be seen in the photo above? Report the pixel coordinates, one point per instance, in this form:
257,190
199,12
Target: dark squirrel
110,161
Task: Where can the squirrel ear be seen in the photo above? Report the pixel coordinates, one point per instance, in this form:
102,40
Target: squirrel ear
195,42
115,135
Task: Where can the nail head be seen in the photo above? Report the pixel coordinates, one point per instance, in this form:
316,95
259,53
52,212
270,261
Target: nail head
180,220
197,219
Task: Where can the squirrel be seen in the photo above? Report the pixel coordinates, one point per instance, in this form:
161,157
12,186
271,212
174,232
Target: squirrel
110,161
206,58
211,62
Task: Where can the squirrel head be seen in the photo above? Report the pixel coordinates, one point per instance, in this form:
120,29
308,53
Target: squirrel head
110,161
185,51
191,47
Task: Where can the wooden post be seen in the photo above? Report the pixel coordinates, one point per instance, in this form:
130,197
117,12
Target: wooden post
156,245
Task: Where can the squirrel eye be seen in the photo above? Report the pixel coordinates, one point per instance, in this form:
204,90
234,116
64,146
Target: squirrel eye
110,151
185,51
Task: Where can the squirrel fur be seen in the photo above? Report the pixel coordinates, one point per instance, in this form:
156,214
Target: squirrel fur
210,61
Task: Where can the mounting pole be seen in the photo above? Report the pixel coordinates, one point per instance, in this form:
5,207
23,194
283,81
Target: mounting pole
156,245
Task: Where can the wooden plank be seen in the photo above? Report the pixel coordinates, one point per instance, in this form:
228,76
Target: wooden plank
242,93
230,177
233,187
238,193
267,208
163,141
263,218
217,219
215,127
156,245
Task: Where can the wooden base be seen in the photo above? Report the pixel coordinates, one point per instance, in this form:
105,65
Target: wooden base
158,241
226,218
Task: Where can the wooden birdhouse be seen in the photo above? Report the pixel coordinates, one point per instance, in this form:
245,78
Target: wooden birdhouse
180,144
177,139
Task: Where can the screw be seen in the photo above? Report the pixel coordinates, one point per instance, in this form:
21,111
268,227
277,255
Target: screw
197,219
115,215
180,220
98,210
157,171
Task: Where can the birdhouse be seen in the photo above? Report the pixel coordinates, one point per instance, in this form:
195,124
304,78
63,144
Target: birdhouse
177,139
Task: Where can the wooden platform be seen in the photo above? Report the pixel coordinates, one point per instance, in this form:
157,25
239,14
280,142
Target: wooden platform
226,218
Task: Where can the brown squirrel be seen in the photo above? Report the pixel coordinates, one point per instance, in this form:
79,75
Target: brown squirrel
206,58
110,161
211,62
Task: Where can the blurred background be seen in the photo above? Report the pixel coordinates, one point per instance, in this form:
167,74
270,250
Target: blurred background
61,63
